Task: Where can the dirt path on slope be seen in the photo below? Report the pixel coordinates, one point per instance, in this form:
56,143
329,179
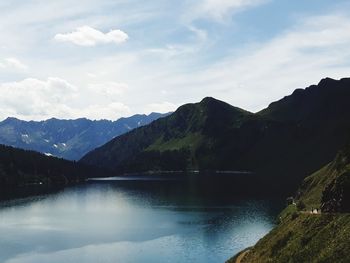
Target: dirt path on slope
241,256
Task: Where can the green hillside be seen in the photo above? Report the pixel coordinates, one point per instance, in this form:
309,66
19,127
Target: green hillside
302,236
181,140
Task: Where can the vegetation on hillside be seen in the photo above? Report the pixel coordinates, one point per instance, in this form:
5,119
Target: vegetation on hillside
192,130
25,172
303,236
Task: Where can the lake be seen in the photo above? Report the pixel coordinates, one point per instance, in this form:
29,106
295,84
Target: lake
134,220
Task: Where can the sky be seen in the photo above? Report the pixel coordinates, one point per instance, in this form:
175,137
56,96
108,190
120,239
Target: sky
106,59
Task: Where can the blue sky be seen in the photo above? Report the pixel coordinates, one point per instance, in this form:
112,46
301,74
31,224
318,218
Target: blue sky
107,59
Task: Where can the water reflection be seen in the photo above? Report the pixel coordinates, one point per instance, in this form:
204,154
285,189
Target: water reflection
133,221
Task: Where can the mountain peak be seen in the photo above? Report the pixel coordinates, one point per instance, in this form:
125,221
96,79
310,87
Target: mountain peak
11,120
208,99
326,81
333,82
325,99
212,102
217,106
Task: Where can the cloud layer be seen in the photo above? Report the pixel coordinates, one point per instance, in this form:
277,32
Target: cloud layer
315,48
12,63
88,36
219,10
35,99
246,52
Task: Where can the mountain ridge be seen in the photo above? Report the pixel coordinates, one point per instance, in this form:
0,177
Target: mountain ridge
293,136
67,138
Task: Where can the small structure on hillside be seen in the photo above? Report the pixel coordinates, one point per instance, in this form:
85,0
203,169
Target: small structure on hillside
290,201
315,211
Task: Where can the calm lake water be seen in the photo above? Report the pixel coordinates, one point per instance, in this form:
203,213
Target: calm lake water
137,220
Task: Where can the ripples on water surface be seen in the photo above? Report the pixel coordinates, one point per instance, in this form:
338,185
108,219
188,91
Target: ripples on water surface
133,221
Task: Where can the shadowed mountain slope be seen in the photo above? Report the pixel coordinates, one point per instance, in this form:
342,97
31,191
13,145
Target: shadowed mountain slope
288,140
24,172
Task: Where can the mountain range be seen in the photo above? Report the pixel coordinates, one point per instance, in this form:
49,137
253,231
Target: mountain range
283,143
69,139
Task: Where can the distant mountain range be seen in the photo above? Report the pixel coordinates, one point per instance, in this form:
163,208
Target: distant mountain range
286,141
69,139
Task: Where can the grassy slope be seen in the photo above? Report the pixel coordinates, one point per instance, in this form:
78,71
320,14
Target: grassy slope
190,141
192,130
304,237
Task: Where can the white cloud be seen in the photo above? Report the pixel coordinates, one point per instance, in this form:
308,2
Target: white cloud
111,111
88,36
12,63
200,33
42,99
35,98
162,107
109,88
315,48
219,9
169,51
177,57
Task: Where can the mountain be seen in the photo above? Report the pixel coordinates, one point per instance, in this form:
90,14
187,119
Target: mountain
284,142
302,236
24,172
171,143
69,139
